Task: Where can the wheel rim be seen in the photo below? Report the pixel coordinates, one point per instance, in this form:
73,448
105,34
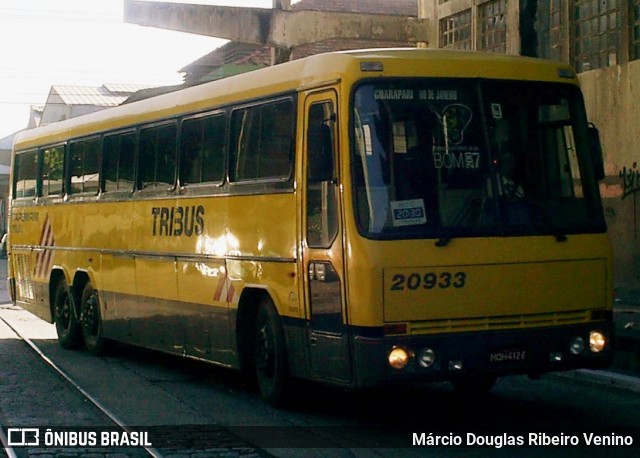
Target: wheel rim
90,318
63,312
264,352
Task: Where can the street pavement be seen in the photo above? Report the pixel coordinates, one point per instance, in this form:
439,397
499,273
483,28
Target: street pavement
626,311
624,372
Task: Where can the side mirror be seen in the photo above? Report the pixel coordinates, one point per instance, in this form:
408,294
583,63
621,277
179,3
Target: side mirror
595,149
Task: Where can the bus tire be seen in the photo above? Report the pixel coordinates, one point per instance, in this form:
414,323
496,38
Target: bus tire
91,321
64,315
270,358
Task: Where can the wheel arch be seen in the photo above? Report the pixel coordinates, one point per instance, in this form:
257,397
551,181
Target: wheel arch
76,285
57,274
80,280
247,312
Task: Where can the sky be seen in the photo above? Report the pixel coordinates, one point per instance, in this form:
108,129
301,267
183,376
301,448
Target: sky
86,43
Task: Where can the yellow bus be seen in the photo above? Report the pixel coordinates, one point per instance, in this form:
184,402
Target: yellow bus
359,219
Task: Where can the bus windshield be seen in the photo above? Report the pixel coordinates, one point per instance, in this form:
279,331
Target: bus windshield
436,158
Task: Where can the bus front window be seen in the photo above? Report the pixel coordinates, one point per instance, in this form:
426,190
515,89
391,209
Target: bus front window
453,158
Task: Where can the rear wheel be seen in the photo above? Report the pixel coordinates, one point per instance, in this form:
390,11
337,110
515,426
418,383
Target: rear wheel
91,321
270,357
64,315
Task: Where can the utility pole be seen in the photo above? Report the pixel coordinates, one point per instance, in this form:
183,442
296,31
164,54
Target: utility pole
280,54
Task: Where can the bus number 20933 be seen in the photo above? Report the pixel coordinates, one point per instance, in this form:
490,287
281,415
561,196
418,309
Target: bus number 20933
429,280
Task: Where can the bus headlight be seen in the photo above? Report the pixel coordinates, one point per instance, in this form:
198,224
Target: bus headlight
597,341
426,357
576,346
399,357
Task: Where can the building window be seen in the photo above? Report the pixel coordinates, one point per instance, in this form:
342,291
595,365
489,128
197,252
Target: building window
455,31
635,46
556,24
492,26
598,25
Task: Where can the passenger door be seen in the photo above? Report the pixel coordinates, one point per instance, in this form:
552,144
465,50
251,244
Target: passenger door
326,334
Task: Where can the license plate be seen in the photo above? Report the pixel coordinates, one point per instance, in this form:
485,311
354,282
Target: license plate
507,356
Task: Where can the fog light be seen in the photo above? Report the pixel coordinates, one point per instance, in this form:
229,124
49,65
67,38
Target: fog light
576,346
426,357
399,357
597,341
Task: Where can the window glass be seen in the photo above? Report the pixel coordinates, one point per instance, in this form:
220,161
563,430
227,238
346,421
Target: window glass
492,26
263,141
455,31
84,166
26,173
119,165
597,33
322,208
202,150
445,158
157,157
52,170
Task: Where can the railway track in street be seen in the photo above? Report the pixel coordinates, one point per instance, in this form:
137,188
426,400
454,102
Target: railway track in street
24,431
44,387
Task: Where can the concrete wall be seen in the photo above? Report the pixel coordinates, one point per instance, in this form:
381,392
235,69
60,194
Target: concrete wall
612,96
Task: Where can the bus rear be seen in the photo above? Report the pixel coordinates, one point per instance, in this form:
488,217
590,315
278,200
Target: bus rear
475,235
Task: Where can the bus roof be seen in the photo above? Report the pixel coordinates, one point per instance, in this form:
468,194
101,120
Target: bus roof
312,71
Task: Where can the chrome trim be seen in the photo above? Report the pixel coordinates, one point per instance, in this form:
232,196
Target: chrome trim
185,257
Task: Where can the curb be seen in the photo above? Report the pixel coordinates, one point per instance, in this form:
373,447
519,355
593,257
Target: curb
603,378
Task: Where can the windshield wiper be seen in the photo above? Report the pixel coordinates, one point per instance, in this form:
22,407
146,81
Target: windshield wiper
443,241
559,235
463,212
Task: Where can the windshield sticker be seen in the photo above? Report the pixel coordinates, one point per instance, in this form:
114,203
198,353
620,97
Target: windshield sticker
408,212
454,119
496,110
368,145
467,157
439,94
393,94
399,138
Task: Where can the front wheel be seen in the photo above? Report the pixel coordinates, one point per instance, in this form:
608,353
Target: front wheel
270,356
64,315
91,321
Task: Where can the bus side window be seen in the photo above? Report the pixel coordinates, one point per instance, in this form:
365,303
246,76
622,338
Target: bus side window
84,166
262,140
277,140
52,171
118,163
26,174
202,150
157,157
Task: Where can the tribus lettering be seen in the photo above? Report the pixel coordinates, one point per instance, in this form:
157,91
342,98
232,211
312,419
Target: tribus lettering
178,221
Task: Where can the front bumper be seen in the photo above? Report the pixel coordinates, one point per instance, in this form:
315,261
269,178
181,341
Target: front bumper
532,351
